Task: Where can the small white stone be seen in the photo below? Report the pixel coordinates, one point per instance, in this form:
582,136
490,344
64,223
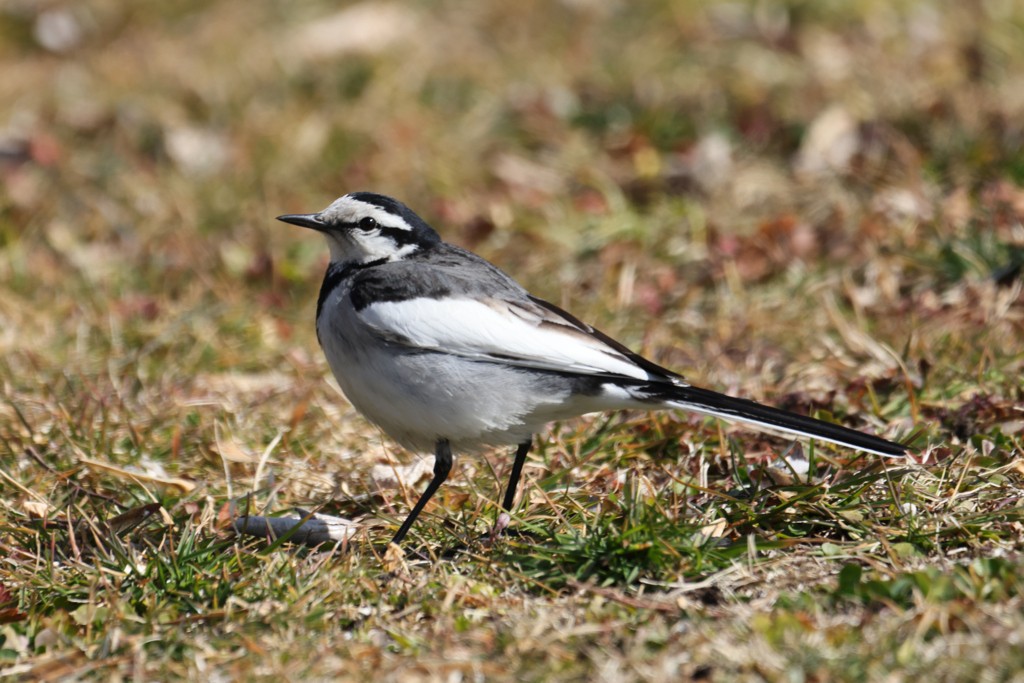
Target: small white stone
57,30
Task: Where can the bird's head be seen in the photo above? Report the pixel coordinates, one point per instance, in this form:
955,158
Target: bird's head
364,227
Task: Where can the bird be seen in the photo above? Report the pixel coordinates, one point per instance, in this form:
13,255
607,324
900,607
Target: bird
444,352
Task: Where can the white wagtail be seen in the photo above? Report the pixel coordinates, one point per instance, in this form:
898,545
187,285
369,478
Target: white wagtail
444,351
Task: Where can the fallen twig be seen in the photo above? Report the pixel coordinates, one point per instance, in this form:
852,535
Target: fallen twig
318,529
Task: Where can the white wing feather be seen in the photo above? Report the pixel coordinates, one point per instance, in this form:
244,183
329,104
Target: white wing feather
523,335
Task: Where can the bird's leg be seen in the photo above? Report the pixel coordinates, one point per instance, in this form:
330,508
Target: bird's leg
503,519
517,470
442,466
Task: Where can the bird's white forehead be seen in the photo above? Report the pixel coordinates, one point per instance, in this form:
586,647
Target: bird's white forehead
350,210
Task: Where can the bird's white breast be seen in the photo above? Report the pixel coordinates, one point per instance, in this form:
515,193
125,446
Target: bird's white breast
418,396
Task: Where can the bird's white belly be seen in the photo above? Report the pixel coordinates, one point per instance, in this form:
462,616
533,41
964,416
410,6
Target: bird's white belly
419,397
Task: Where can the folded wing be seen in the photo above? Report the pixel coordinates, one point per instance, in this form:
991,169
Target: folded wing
521,332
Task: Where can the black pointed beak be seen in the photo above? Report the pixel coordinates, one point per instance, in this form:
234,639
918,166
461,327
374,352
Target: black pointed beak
305,220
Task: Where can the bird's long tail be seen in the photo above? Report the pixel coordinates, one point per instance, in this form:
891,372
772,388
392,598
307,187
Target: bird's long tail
707,402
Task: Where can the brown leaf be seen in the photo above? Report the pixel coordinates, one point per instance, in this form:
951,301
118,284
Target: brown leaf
132,518
397,476
716,529
394,558
11,614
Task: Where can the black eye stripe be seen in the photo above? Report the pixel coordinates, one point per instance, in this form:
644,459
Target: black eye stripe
400,236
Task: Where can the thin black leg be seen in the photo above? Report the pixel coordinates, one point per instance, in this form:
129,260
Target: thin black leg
442,466
517,469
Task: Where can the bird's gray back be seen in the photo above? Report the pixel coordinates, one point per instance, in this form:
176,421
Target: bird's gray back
438,273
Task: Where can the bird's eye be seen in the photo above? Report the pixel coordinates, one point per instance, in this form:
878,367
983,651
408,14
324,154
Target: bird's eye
368,223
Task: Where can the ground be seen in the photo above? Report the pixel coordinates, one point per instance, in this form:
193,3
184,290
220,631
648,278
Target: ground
816,205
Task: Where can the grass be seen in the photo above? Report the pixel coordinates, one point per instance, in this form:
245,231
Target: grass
810,204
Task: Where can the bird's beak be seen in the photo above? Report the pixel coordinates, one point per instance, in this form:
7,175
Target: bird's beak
305,220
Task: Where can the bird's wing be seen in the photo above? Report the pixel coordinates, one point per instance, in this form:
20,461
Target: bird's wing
527,332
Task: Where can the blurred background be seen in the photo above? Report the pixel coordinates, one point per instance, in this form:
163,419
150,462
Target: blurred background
813,203
785,199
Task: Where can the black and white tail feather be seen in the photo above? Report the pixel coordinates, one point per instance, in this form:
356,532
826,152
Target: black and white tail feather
444,351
